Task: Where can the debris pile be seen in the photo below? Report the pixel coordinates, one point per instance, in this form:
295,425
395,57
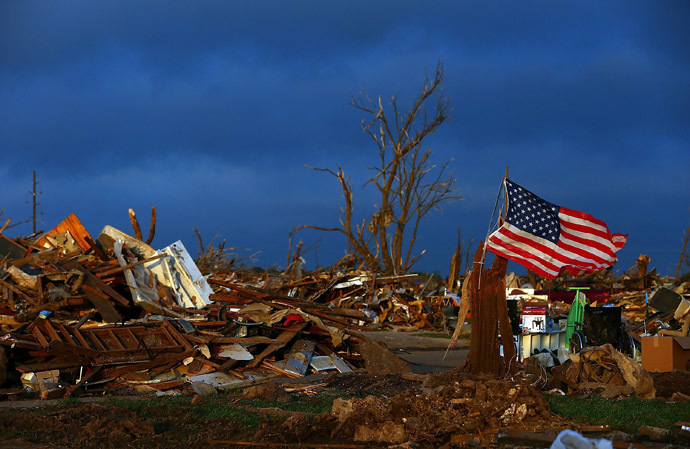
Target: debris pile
78,313
605,371
401,302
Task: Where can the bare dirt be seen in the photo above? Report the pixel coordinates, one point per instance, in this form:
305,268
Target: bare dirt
668,383
393,410
378,411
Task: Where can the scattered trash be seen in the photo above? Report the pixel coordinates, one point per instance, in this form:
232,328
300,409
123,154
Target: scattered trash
569,439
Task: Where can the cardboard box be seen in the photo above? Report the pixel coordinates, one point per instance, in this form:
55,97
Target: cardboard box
664,354
41,381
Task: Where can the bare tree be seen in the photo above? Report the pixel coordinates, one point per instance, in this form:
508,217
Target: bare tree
410,185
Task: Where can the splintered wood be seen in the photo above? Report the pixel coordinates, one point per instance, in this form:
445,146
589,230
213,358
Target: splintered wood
488,305
90,311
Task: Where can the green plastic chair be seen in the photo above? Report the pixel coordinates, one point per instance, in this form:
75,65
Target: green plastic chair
577,314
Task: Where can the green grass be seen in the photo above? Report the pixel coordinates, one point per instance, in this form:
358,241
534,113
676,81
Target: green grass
320,403
140,406
215,406
218,406
624,414
69,401
212,407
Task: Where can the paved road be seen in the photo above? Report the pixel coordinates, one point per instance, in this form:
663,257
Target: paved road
423,354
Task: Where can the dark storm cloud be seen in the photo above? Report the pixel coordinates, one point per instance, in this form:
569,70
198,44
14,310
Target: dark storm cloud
210,110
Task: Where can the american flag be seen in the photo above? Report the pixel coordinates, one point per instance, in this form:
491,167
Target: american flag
548,239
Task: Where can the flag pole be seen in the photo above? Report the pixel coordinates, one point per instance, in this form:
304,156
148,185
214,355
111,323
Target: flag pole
505,196
488,232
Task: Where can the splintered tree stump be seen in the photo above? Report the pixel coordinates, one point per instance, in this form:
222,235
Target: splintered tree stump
489,316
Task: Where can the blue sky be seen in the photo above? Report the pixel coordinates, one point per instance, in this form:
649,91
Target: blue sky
210,110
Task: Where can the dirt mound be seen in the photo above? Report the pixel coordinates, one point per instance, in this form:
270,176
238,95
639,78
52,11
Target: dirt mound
668,383
359,385
449,407
81,427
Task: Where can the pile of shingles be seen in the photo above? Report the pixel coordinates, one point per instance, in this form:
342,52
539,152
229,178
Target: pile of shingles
82,313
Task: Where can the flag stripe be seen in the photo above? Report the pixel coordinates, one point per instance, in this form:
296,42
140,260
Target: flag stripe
583,254
619,240
584,218
581,242
524,245
589,246
585,230
523,261
558,255
524,258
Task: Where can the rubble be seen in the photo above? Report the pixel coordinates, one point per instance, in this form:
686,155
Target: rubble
84,316
608,370
594,334
449,407
94,312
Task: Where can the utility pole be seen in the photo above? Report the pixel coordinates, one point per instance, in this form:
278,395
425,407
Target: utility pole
34,203
682,253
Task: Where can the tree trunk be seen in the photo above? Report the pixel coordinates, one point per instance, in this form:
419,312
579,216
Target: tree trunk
488,307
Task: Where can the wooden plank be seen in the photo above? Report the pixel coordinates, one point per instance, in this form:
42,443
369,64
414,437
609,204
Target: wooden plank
153,372
39,336
104,306
168,335
198,340
94,338
225,367
228,298
272,367
8,320
115,339
176,336
100,294
531,439
36,257
283,339
158,361
247,340
75,228
133,336
65,333
83,380
81,338
63,351
168,384
51,330
47,366
209,323
17,291
93,281
96,249
111,271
